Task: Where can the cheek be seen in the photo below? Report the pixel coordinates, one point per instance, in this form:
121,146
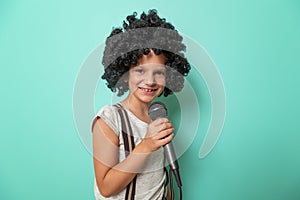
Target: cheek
161,81
134,82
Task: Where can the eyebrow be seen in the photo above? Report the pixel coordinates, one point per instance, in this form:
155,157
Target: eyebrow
152,64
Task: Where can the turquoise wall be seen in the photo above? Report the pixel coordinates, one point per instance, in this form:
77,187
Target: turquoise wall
254,44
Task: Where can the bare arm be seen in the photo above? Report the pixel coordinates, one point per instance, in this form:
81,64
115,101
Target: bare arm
111,176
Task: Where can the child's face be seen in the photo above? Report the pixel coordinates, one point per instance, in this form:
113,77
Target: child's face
147,80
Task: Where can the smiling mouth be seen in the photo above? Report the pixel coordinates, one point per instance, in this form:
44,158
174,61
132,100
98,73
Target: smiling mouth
148,90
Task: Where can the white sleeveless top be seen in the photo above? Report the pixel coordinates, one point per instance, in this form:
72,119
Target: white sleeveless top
150,182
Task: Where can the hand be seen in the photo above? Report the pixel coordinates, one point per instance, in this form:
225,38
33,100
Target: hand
159,133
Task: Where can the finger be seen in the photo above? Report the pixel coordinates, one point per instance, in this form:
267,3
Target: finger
153,130
160,121
166,125
166,140
164,133
158,126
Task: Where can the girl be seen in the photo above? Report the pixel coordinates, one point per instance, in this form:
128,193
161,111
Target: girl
146,72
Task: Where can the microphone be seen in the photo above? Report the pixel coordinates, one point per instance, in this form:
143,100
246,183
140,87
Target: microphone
158,110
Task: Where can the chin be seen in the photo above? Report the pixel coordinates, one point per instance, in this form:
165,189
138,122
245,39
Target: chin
148,99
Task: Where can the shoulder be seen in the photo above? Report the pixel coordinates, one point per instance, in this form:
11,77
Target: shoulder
109,114
108,111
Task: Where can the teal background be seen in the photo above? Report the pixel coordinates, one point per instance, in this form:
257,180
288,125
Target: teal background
255,45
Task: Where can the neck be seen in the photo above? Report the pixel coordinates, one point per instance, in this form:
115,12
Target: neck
138,108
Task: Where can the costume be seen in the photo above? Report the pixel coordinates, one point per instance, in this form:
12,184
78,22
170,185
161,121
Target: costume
150,181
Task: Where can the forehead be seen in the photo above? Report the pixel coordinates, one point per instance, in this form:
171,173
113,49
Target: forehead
152,58
151,66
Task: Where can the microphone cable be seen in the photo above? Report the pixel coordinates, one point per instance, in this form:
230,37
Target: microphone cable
172,196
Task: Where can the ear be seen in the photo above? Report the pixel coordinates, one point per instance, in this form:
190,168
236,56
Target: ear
126,78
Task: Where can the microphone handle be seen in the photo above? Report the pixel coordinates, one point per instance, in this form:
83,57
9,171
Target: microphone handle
170,155
171,158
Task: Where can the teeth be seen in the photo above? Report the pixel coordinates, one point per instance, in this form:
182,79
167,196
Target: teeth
148,90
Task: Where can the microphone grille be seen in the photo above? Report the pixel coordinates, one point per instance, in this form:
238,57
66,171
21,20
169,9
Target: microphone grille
157,110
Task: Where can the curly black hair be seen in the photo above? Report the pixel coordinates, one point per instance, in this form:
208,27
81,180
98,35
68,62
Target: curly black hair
125,46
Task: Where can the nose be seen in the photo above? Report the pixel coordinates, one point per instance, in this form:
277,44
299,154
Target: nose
149,79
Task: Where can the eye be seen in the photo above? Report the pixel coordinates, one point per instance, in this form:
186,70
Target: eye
138,70
161,73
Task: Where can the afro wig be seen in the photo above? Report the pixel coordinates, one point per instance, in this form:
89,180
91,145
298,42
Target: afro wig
126,45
